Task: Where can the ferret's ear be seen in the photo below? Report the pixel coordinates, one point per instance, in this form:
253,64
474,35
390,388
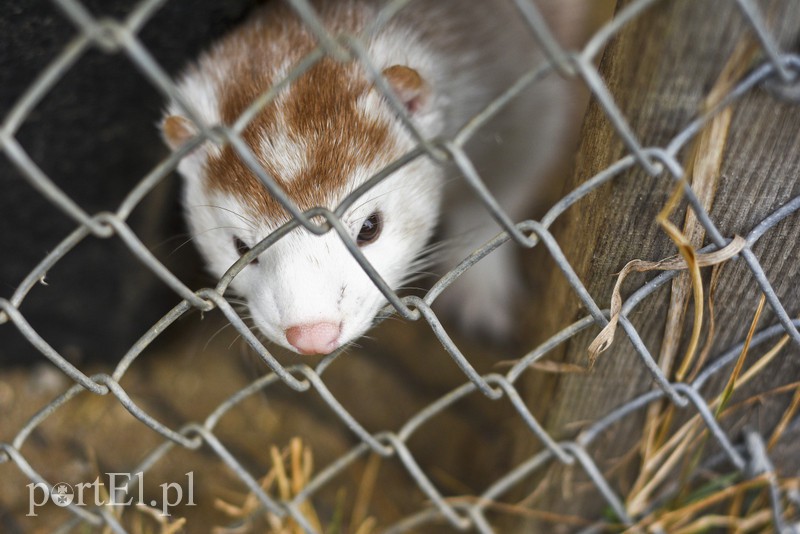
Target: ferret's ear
177,130
413,91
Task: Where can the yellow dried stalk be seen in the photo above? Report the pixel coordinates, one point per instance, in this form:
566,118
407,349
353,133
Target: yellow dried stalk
690,260
703,171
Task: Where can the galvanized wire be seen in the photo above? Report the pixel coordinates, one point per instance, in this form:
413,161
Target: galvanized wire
659,163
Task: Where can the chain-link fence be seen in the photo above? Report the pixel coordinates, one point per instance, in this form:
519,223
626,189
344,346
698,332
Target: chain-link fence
748,457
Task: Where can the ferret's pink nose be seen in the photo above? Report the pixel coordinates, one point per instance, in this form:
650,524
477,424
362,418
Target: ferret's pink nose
317,338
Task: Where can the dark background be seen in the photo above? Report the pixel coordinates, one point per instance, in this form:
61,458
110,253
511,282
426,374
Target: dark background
95,135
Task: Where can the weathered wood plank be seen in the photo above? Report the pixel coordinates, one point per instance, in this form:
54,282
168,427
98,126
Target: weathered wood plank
660,69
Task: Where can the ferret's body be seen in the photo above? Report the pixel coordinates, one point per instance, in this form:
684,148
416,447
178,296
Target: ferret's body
331,129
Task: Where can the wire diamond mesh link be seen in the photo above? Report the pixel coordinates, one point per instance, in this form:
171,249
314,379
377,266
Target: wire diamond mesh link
660,163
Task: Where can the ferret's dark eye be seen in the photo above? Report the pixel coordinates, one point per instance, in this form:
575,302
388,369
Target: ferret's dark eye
370,230
242,248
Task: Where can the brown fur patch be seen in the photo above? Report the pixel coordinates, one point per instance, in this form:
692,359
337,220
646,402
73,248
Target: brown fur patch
318,111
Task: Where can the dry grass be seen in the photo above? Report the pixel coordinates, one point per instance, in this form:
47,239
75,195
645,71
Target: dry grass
672,493
292,469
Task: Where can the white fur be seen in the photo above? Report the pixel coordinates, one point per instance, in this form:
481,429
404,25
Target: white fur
307,279
304,278
293,156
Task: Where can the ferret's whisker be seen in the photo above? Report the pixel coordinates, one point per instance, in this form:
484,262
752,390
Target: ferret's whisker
174,237
215,334
355,209
393,317
250,222
194,236
237,338
411,288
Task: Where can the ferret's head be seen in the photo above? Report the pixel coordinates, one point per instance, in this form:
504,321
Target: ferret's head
322,137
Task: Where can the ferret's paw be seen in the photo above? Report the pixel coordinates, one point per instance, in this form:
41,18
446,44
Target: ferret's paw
482,301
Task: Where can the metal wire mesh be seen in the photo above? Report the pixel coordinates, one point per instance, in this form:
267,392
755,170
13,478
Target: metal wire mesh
120,37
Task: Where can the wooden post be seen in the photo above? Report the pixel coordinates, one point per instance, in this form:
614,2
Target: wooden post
663,69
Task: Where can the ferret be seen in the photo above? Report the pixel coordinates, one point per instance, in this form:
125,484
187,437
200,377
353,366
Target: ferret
332,128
